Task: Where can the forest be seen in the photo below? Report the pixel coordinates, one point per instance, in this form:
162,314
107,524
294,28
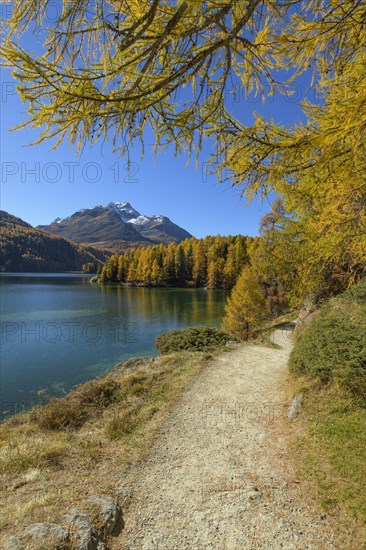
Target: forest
212,262
24,248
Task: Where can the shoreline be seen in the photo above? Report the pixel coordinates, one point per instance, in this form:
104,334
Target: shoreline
55,455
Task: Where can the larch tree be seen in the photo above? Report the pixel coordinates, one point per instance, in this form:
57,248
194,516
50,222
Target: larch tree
113,69
199,268
229,274
246,307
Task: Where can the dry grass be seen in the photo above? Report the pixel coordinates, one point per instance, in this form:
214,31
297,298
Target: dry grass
85,443
329,361
328,444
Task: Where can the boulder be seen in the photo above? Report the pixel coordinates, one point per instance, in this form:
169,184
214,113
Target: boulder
88,537
110,512
47,536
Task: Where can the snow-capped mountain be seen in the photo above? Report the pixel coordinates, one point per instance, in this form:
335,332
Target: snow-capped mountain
124,210
117,226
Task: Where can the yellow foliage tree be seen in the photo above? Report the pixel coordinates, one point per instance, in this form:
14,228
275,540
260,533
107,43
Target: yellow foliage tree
246,307
112,69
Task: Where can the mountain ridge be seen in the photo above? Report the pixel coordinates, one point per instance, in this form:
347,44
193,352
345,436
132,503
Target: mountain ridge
24,248
117,226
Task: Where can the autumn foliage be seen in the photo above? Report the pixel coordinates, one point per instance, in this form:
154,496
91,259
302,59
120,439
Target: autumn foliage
214,262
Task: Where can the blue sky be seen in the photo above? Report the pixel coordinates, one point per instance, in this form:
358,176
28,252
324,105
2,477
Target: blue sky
38,184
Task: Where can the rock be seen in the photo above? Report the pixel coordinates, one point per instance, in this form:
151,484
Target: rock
12,543
253,495
295,406
127,492
78,518
52,535
89,537
40,530
232,344
110,511
307,311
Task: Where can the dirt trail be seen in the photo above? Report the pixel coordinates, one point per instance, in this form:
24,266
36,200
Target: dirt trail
218,476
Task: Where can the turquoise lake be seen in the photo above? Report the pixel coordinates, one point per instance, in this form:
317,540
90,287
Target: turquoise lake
58,330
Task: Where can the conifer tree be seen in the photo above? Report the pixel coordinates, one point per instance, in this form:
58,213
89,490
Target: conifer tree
215,273
180,265
229,272
132,275
199,270
112,69
246,307
156,274
169,265
240,254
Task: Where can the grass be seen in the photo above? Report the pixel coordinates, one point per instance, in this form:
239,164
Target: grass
328,366
85,442
329,446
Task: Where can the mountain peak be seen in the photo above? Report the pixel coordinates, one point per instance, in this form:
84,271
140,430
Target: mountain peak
124,210
115,225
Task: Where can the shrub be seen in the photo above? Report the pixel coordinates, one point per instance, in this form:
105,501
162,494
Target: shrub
191,339
333,347
77,407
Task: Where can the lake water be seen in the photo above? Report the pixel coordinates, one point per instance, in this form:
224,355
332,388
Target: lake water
58,330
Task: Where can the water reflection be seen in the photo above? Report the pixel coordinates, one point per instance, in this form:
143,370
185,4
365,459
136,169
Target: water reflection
60,330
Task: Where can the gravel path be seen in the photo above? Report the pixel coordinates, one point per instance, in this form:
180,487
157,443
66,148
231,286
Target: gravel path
219,476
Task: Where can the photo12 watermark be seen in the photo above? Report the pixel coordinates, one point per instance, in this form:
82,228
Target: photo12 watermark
68,171
215,412
53,332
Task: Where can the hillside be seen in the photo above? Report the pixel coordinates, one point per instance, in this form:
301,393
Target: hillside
24,248
116,226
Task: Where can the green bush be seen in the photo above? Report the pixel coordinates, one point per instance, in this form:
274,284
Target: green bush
333,347
192,339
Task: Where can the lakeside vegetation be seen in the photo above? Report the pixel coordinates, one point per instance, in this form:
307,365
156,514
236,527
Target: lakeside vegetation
213,262
192,339
328,366
55,454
